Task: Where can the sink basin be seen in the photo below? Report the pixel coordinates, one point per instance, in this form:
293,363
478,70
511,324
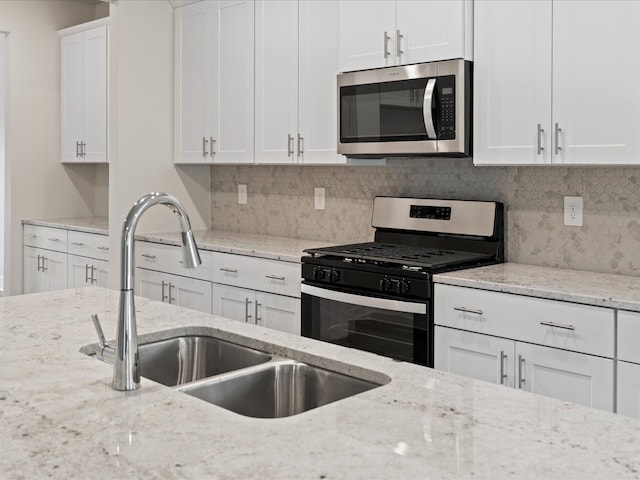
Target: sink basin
277,389
185,359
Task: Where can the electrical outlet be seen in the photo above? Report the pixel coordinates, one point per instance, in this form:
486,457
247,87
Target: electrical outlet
573,211
242,194
319,198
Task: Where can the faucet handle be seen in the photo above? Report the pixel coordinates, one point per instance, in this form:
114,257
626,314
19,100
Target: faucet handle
96,323
104,351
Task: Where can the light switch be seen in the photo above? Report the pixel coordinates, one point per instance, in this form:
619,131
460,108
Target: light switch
319,198
242,194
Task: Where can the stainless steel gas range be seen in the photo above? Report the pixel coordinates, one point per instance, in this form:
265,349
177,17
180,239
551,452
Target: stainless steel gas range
378,296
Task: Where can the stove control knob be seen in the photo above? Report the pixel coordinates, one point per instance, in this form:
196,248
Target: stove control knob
385,284
406,286
316,273
335,276
396,285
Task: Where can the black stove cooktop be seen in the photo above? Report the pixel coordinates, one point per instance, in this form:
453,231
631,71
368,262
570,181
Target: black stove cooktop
391,255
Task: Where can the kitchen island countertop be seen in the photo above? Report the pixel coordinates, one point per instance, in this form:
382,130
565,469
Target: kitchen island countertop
59,418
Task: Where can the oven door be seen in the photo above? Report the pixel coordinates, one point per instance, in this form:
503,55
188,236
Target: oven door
395,328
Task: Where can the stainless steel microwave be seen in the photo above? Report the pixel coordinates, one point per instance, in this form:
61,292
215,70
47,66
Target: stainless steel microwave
412,110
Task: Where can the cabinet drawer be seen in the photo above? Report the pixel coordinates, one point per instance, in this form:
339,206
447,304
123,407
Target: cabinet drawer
168,258
628,335
273,276
579,328
91,245
45,237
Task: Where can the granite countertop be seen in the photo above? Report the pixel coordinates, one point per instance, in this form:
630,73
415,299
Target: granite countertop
99,225
59,417
250,244
590,288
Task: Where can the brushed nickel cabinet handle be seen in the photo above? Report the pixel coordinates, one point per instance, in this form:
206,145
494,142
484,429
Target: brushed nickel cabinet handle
289,145
171,298
399,38
147,255
274,277
87,279
44,269
258,318
558,325
94,279
247,316
540,132
503,376
163,296
77,244
468,310
102,248
77,149
53,239
300,145
204,147
30,235
521,378
212,143
385,49
230,270
557,136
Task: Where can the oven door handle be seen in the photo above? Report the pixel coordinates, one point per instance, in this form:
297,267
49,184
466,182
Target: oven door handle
364,301
427,111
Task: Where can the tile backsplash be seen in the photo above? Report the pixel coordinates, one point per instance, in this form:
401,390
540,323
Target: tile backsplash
281,203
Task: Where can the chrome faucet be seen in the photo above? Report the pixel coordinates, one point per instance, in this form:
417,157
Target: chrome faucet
126,366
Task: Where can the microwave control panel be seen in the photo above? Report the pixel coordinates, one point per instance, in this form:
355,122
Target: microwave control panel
446,107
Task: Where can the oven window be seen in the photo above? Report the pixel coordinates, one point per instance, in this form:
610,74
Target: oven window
399,335
380,112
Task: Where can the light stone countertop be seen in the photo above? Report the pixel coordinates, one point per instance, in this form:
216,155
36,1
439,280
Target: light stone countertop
250,244
590,288
99,225
60,419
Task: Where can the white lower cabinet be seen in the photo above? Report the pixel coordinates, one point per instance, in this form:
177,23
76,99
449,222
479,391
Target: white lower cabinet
569,376
182,291
84,271
273,311
548,347
628,389
44,270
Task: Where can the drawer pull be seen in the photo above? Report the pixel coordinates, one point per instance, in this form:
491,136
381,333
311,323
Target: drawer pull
503,376
77,244
230,270
30,235
558,325
147,255
521,380
274,277
102,248
54,239
468,310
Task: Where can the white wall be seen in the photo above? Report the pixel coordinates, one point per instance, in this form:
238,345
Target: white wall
141,124
36,183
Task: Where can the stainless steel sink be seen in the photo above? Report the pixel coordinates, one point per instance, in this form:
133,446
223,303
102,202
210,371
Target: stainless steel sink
185,359
278,389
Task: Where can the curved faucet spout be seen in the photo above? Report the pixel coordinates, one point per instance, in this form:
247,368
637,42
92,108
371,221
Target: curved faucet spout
126,369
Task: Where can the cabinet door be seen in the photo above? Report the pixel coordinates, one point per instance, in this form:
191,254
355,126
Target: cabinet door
95,95
83,272
276,120
32,277
79,271
278,312
482,357
317,70
367,34
595,81
72,99
433,30
512,82
150,284
234,303
232,81
192,84
189,293
54,265
569,376
628,389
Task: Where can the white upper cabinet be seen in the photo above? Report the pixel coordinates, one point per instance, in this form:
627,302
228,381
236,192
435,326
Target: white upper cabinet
317,91
396,32
296,67
276,80
84,93
214,82
554,84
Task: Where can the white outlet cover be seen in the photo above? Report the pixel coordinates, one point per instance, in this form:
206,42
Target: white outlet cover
319,198
242,194
573,211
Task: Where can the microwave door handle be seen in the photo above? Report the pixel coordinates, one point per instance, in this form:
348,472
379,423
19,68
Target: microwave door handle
427,112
